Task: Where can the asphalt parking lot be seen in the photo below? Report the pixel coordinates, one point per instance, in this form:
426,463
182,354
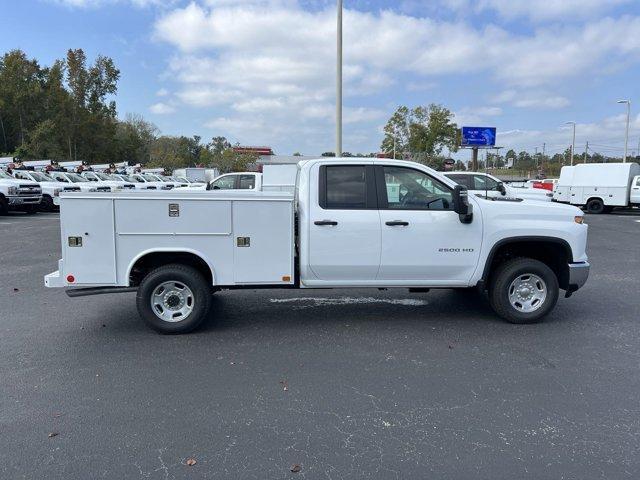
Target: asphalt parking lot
348,384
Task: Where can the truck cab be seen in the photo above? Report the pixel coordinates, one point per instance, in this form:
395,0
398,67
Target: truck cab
22,195
50,188
349,223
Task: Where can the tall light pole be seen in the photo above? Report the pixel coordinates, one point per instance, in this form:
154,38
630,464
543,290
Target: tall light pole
626,137
339,85
573,144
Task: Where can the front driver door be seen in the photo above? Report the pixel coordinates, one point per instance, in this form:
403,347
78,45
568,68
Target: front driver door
423,240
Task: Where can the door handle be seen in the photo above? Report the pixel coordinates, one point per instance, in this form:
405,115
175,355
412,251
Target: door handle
325,222
397,223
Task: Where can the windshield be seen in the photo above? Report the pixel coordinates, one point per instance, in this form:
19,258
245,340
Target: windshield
167,179
103,176
149,178
5,175
75,178
41,177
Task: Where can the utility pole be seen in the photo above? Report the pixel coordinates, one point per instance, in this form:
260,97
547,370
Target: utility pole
586,150
626,137
339,85
573,145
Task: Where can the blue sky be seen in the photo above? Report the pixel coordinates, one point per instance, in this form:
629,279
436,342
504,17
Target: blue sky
262,71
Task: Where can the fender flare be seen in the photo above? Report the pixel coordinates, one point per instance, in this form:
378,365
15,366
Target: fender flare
191,251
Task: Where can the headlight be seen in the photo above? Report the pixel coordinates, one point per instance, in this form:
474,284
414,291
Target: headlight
93,189
13,191
56,192
578,219
116,189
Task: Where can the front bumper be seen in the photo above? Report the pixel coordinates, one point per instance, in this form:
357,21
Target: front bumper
24,200
578,275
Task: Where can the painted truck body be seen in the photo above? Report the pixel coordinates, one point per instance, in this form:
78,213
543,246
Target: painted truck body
599,187
359,223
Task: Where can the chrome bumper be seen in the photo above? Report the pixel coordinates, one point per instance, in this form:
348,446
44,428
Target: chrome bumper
24,200
578,275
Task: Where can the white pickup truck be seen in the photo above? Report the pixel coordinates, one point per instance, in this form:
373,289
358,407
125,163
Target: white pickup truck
17,194
485,185
351,223
50,188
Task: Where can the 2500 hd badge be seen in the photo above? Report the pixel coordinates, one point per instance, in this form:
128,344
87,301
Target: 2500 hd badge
456,250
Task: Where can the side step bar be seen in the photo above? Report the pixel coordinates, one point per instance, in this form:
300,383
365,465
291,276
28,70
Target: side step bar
85,292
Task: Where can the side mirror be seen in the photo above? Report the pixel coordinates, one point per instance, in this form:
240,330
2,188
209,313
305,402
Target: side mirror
216,187
501,188
461,204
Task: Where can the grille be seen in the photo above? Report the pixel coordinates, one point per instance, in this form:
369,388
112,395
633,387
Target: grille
71,189
129,186
104,189
27,190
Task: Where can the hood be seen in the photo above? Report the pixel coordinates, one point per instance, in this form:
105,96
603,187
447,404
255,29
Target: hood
15,182
529,208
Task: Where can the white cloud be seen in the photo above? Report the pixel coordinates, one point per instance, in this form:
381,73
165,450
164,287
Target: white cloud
532,99
267,64
562,10
163,92
161,108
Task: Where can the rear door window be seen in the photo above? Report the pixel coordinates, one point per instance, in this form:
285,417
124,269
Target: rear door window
247,182
345,187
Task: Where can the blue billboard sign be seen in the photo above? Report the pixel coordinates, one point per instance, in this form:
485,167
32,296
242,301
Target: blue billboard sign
478,136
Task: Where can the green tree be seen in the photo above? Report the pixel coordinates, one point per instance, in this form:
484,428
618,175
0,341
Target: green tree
421,133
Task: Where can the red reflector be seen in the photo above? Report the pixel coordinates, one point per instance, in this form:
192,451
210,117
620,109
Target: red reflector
71,279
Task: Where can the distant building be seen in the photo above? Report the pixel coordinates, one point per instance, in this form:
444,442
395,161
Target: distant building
262,151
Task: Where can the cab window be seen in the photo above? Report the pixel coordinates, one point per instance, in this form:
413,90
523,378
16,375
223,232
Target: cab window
224,183
247,182
409,189
60,178
343,187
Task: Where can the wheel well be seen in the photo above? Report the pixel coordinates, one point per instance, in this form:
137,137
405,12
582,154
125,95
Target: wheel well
595,198
556,254
154,260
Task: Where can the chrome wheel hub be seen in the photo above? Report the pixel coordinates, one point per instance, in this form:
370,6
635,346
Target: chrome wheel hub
527,293
172,301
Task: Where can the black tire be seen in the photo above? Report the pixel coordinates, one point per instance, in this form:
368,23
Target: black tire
4,206
182,274
595,206
31,209
47,204
501,282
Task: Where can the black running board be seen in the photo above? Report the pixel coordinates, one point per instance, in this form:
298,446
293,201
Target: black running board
85,292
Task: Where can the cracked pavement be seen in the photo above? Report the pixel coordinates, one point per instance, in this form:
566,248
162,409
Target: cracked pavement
387,385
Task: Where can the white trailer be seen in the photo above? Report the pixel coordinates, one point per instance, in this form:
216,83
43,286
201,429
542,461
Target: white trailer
350,223
599,187
562,191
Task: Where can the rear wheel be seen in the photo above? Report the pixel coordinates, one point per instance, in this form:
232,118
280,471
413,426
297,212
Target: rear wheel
523,290
595,206
174,299
4,206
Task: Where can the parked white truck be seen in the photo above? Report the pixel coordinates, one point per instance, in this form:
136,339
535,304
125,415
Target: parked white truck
599,187
17,194
50,188
351,223
483,184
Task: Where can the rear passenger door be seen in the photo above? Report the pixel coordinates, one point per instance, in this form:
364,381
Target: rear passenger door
344,236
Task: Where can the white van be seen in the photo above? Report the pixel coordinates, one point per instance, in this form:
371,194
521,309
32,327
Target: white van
599,187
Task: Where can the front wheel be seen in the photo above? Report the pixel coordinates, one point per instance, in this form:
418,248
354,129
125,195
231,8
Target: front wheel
174,299
595,206
523,290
